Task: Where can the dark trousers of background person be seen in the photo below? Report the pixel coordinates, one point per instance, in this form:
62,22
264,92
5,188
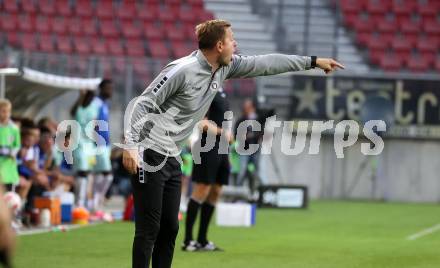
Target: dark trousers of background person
244,173
156,203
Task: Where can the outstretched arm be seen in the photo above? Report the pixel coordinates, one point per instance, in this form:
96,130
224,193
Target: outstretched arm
271,64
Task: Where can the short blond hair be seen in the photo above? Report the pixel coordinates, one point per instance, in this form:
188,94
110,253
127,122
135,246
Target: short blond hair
5,103
210,32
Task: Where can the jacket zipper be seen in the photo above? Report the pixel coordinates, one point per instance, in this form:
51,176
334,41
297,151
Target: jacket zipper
212,78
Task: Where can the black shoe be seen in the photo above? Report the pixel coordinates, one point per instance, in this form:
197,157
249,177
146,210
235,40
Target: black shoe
190,246
209,246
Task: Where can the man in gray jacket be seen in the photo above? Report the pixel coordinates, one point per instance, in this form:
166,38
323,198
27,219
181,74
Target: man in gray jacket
160,120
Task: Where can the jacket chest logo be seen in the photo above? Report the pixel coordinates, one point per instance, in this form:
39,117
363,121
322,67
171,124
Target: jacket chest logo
214,85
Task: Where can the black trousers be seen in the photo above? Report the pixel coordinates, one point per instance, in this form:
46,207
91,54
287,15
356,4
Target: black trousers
156,203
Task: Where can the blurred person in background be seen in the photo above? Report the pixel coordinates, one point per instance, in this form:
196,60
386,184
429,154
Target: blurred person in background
121,183
187,167
10,143
49,123
249,112
208,177
103,169
84,111
48,162
64,167
27,160
234,161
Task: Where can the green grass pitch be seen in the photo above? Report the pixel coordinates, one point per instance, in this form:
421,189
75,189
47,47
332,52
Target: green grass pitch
328,234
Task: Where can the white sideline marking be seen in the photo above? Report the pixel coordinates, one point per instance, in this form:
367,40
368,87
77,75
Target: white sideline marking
424,232
51,229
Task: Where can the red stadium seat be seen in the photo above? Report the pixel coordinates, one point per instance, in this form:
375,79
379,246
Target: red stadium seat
407,25
168,15
152,2
13,40
403,8
173,2
387,26
74,26
130,30
428,8
390,62
180,49
350,19
28,6
387,38
431,26
141,68
135,48
351,6
115,47
437,65
82,45
9,22
197,10
10,6
29,42
363,38
64,44
84,8
365,24
148,13
46,43
378,7
379,42
99,47
158,49
427,44
411,39
46,7
58,25
63,8
430,57
153,32
119,65
204,16
108,28
126,11
173,33
42,24
417,64
26,23
401,45
376,55
104,10
190,32
186,16
195,3
89,27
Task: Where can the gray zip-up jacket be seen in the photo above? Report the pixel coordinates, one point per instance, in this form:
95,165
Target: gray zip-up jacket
164,115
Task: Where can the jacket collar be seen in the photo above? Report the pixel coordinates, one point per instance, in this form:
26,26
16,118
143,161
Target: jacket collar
202,60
